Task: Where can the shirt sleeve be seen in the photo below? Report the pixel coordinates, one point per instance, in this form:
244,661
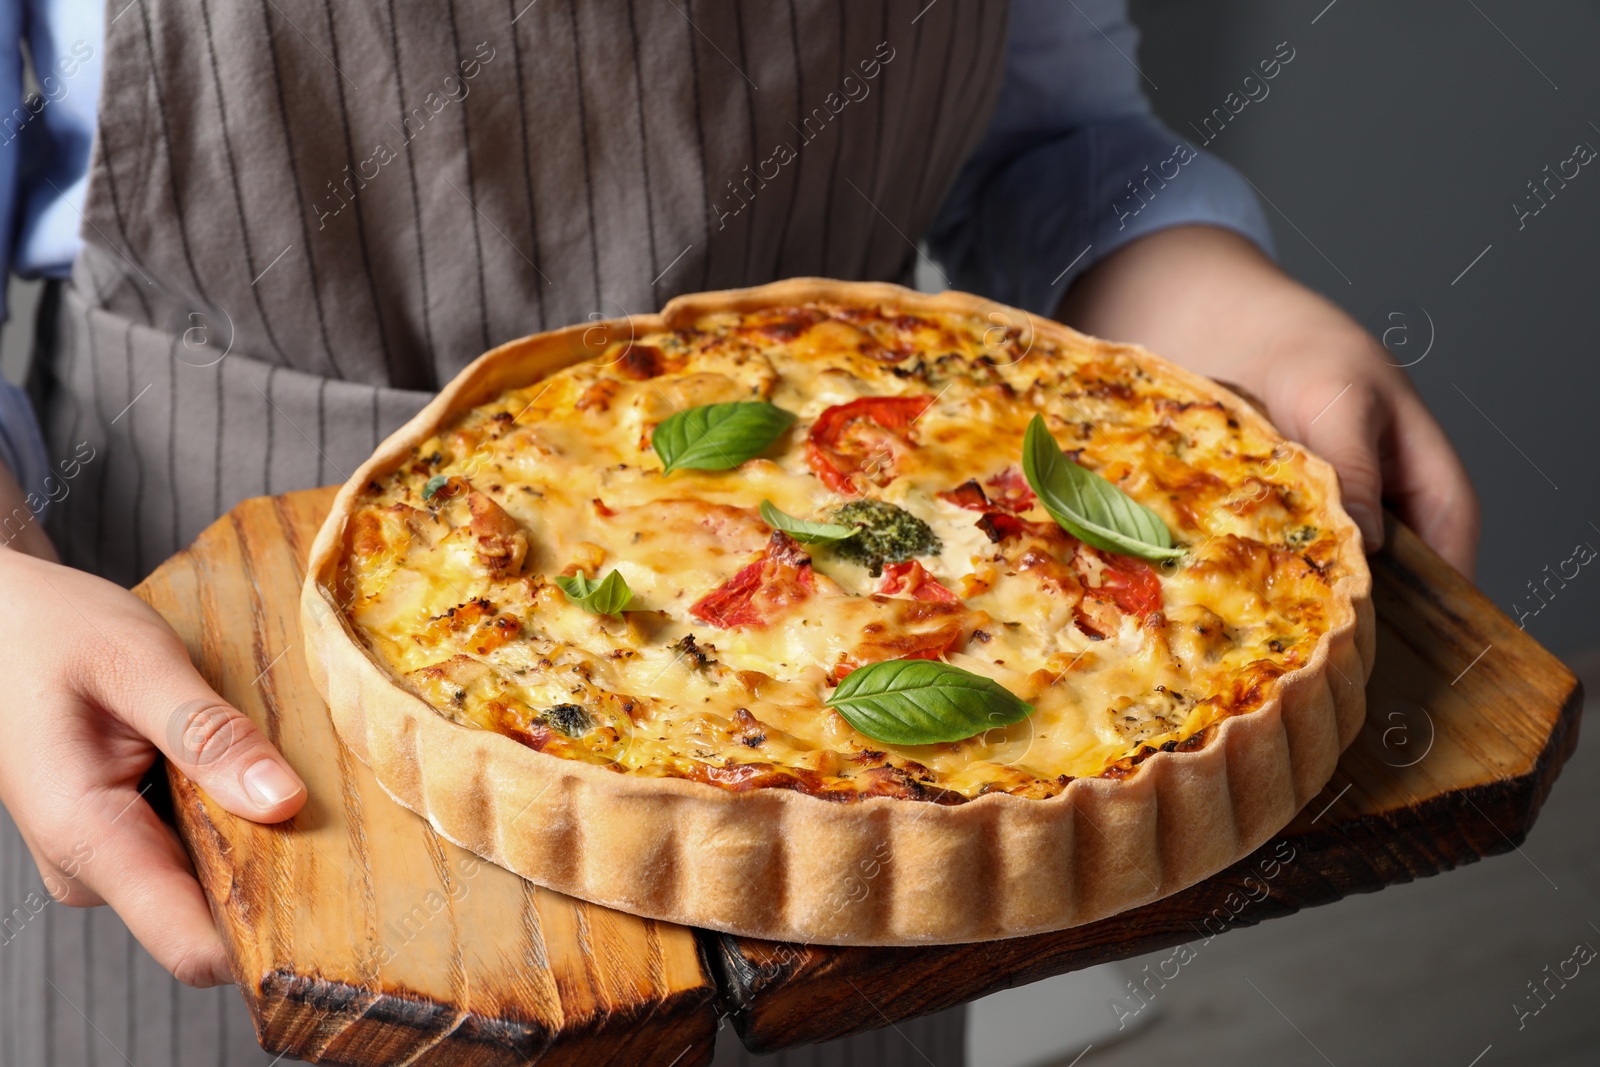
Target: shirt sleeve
22,448
12,117
45,203
1074,164
44,160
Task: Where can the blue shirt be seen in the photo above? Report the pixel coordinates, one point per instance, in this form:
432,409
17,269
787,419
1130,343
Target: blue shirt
44,171
1073,166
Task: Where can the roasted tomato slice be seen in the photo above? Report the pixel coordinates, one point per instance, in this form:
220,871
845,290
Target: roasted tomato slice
1127,587
851,445
1009,490
1103,587
1131,583
969,494
763,590
911,579
997,526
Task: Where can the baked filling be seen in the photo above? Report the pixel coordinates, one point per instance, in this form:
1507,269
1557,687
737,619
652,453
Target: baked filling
458,568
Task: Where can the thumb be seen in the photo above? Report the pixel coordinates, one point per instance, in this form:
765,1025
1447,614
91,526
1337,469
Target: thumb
1347,432
209,740
217,746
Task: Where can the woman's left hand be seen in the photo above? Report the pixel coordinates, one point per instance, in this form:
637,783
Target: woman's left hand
1210,300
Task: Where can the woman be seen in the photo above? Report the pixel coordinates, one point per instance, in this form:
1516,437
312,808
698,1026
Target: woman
301,218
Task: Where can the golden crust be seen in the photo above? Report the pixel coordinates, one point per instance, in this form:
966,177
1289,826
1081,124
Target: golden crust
783,865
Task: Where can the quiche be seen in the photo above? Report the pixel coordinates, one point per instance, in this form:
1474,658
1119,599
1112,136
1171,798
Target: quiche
842,613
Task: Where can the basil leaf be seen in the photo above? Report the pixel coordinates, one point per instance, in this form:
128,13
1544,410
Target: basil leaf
434,485
1088,506
716,437
807,533
608,596
921,702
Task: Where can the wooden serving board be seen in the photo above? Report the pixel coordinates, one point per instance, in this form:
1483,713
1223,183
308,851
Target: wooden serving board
1468,723
359,936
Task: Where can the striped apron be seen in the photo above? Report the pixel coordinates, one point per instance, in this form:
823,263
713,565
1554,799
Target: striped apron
304,217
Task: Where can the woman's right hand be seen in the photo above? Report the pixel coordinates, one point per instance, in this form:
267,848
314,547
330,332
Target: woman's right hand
98,685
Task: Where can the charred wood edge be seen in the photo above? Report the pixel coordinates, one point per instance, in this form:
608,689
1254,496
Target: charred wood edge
1439,586
302,1015
780,995
305,1016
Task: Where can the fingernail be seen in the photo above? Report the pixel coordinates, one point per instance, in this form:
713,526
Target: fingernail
269,784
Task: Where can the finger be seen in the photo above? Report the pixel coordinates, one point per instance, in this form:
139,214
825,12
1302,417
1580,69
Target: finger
158,692
1248,397
60,881
135,863
47,809
1344,423
1430,488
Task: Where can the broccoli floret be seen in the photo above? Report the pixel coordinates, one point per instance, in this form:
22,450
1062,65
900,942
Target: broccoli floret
570,719
884,534
1301,537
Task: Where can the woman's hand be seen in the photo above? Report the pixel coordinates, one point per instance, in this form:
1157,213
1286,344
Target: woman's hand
97,684
1208,299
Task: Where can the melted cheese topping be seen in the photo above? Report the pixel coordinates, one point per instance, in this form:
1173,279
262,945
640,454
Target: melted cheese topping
452,590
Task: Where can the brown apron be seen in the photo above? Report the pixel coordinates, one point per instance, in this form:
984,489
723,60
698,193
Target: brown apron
305,216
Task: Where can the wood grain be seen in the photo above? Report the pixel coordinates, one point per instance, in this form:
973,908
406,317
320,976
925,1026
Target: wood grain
1469,721
358,935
